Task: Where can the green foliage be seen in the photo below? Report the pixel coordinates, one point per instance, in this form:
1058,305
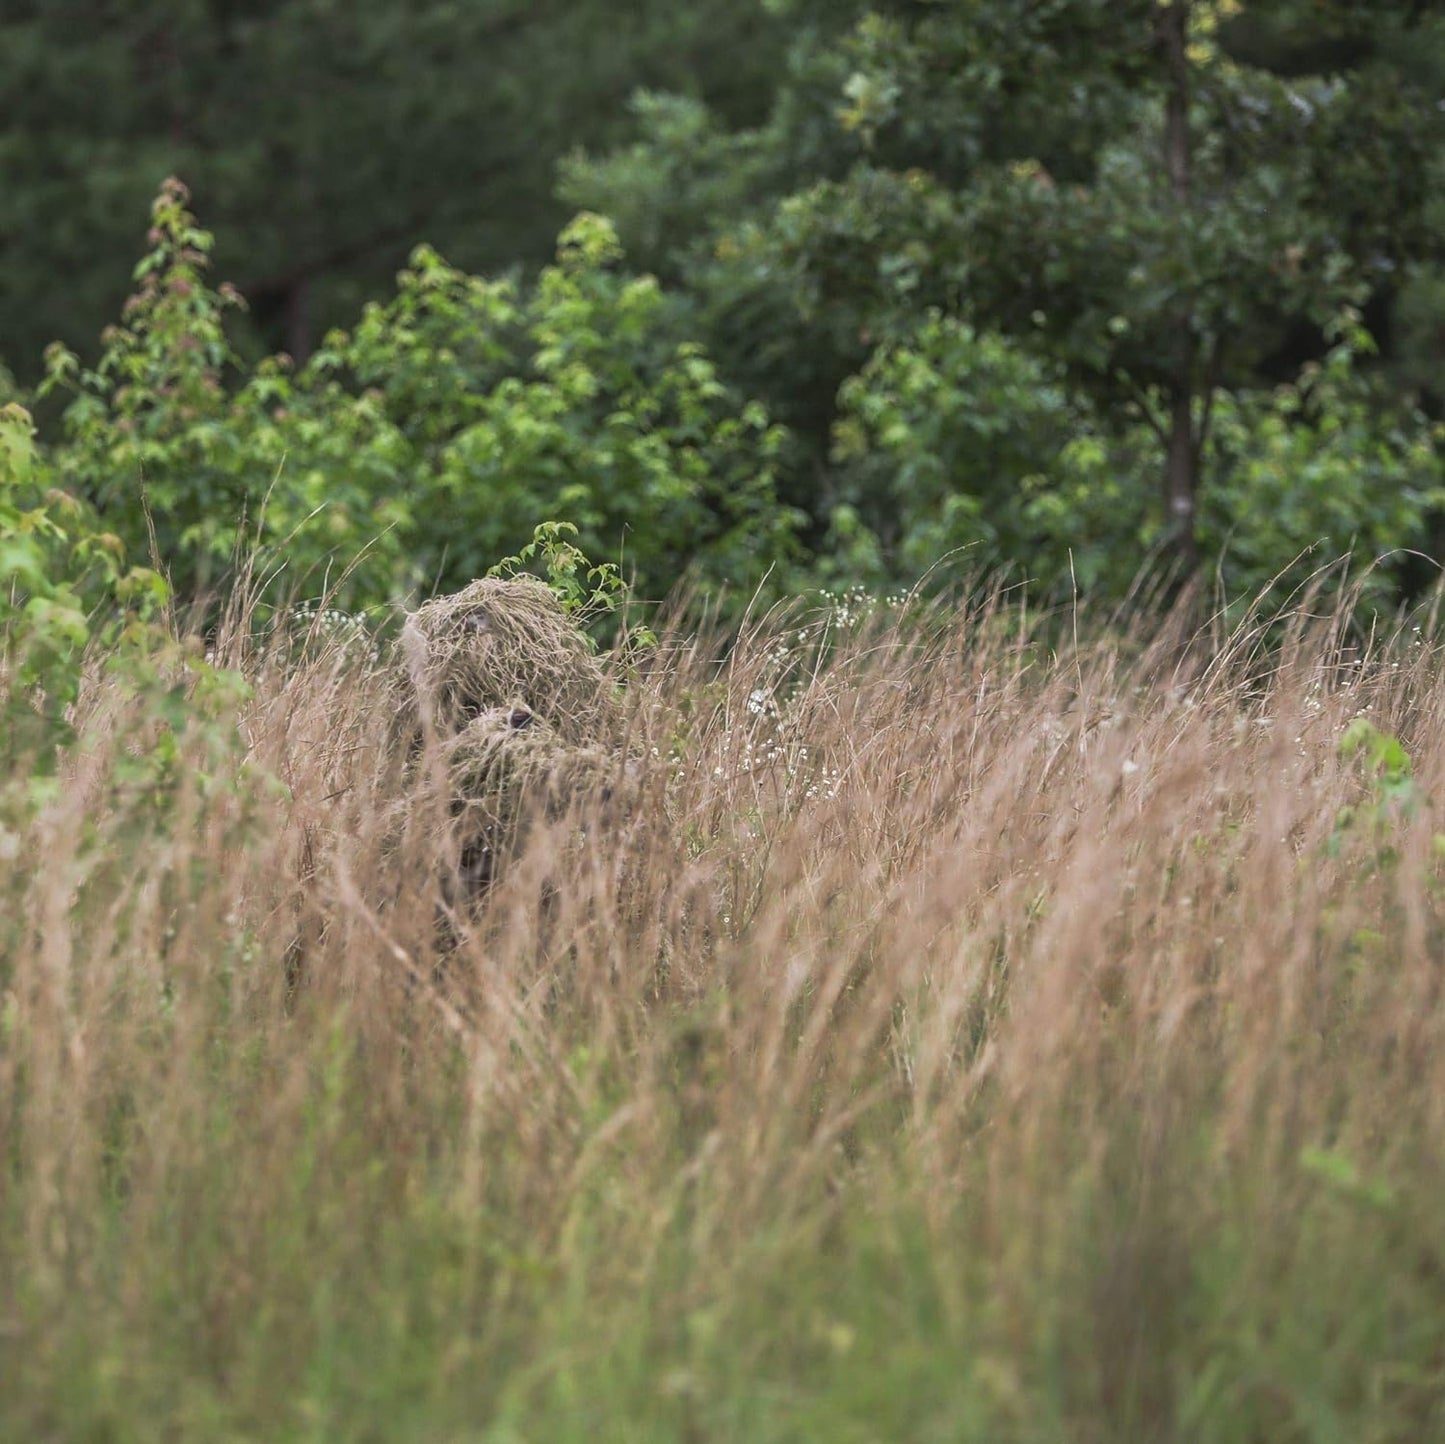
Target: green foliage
665,188
147,433
325,140
430,441
1317,470
1385,761
1297,478
943,440
64,586
1051,286
962,439
583,399
966,439
1342,1176
1393,796
1163,231
78,624
585,589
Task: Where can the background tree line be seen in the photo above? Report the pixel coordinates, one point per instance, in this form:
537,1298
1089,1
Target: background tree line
1066,286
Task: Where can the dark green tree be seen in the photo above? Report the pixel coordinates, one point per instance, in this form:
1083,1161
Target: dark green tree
322,140
1157,199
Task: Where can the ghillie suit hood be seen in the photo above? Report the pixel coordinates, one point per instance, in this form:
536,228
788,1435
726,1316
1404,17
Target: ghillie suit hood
499,643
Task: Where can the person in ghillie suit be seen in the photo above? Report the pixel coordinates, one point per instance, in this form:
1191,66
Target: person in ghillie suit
502,701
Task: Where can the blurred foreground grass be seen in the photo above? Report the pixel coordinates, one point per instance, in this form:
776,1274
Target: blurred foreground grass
950,1039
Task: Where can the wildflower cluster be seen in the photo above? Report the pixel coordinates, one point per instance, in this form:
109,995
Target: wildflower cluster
350,632
769,739
849,607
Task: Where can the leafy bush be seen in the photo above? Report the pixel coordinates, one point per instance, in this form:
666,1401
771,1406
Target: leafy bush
428,442
81,630
64,585
1302,476
943,439
961,438
579,400
150,434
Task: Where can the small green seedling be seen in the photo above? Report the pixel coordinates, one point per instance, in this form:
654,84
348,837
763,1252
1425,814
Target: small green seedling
1394,796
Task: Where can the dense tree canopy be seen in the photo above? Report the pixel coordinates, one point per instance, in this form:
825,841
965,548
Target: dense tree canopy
323,140
1073,287
1153,201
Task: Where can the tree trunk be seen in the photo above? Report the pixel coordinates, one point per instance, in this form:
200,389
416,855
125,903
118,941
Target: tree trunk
1181,476
1181,467
298,319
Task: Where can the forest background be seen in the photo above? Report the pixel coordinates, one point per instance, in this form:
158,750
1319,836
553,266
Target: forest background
843,292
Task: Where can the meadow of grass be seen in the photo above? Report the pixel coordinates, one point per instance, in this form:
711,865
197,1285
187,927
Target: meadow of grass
943,1034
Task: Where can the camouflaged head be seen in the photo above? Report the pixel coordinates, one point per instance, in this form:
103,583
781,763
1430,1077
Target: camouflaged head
497,643
507,769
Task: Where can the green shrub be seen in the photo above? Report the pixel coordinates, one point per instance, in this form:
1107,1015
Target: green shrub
963,439
81,629
1303,475
943,439
428,442
64,586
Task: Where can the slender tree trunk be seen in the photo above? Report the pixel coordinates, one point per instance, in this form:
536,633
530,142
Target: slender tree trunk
1181,467
298,319
1181,478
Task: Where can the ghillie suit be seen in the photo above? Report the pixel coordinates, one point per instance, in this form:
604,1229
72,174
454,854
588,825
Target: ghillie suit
498,644
506,716
507,769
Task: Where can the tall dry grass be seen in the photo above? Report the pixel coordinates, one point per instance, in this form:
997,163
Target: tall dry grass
947,1031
